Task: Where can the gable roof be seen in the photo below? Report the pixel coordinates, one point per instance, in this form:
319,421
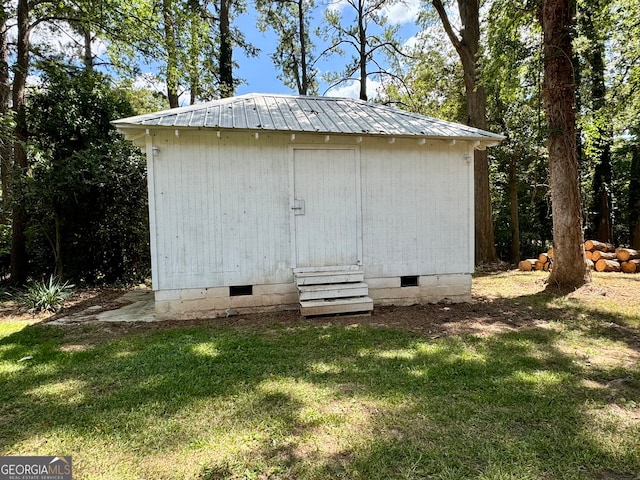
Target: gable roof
306,114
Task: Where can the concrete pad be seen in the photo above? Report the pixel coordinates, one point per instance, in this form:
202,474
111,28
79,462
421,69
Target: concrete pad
137,306
141,310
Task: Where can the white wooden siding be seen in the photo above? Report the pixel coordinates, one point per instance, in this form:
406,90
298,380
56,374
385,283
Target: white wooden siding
222,207
415,209
222,210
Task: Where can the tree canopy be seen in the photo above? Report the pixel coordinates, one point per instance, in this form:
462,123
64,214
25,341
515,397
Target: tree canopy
471,62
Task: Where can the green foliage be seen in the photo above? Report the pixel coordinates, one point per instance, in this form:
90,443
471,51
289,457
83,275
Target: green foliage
293,54
86,195
46,296
5,240
513,81
361,28
179,38
431,83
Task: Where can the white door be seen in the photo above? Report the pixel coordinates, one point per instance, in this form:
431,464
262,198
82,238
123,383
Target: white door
326,207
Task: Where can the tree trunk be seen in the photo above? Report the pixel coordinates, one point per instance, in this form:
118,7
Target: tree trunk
634,198
88,54
194,71
226,51
513,209
467,46
302,36
21,164
569,268
601,201
172,53
6,152
362,49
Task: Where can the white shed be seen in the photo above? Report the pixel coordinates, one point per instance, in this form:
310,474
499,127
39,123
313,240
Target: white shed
329,205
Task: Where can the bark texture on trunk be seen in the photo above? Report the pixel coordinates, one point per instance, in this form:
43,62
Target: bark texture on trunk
303,82
467,47
513,210
6,152
20,160
569,268
362,46
88,53
226,51
634,198
172,53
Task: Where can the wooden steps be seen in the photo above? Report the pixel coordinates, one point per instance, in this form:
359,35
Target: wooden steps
333,292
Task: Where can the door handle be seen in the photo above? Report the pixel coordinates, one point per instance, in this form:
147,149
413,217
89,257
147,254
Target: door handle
298,207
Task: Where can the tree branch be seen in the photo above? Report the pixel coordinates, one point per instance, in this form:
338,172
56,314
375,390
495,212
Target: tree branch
442,13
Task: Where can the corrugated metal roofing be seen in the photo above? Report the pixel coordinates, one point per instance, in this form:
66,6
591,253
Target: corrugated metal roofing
302,114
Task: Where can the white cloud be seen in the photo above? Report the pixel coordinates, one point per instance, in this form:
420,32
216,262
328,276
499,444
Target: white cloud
403,11
351,89
400,12
337,5
411,43
61,39
150,81
34,81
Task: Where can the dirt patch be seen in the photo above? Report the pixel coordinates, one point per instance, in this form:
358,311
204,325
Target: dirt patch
106,299
481,317
504,302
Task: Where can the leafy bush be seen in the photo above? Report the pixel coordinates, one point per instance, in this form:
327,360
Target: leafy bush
46,296
87,193
5,247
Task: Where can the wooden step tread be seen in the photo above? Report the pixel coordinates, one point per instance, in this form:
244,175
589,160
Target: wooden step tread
339,290
336,306
323,278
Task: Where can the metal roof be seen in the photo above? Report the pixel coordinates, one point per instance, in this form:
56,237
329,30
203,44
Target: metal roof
306,114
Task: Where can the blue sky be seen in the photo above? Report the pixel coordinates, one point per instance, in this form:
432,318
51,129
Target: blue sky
260,75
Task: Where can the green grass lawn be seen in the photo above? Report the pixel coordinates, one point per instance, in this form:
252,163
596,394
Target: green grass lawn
560,399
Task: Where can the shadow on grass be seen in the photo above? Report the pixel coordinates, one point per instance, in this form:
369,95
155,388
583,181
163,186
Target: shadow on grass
593,322
311,401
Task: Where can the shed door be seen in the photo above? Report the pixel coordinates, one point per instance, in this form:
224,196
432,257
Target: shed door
326,207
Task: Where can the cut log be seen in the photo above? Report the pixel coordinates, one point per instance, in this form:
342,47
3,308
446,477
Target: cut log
625,254
543,257
539,265
590,264
603,265
596,245
547,266
588,254
550,253
527,265
597,255
631,266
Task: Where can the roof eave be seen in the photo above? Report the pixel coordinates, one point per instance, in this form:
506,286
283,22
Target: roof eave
490,140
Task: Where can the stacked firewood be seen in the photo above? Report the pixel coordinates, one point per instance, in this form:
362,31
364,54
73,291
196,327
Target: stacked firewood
607,258
600,256
543,262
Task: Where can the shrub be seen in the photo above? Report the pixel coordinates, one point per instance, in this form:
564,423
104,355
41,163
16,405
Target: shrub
86,196
46,296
